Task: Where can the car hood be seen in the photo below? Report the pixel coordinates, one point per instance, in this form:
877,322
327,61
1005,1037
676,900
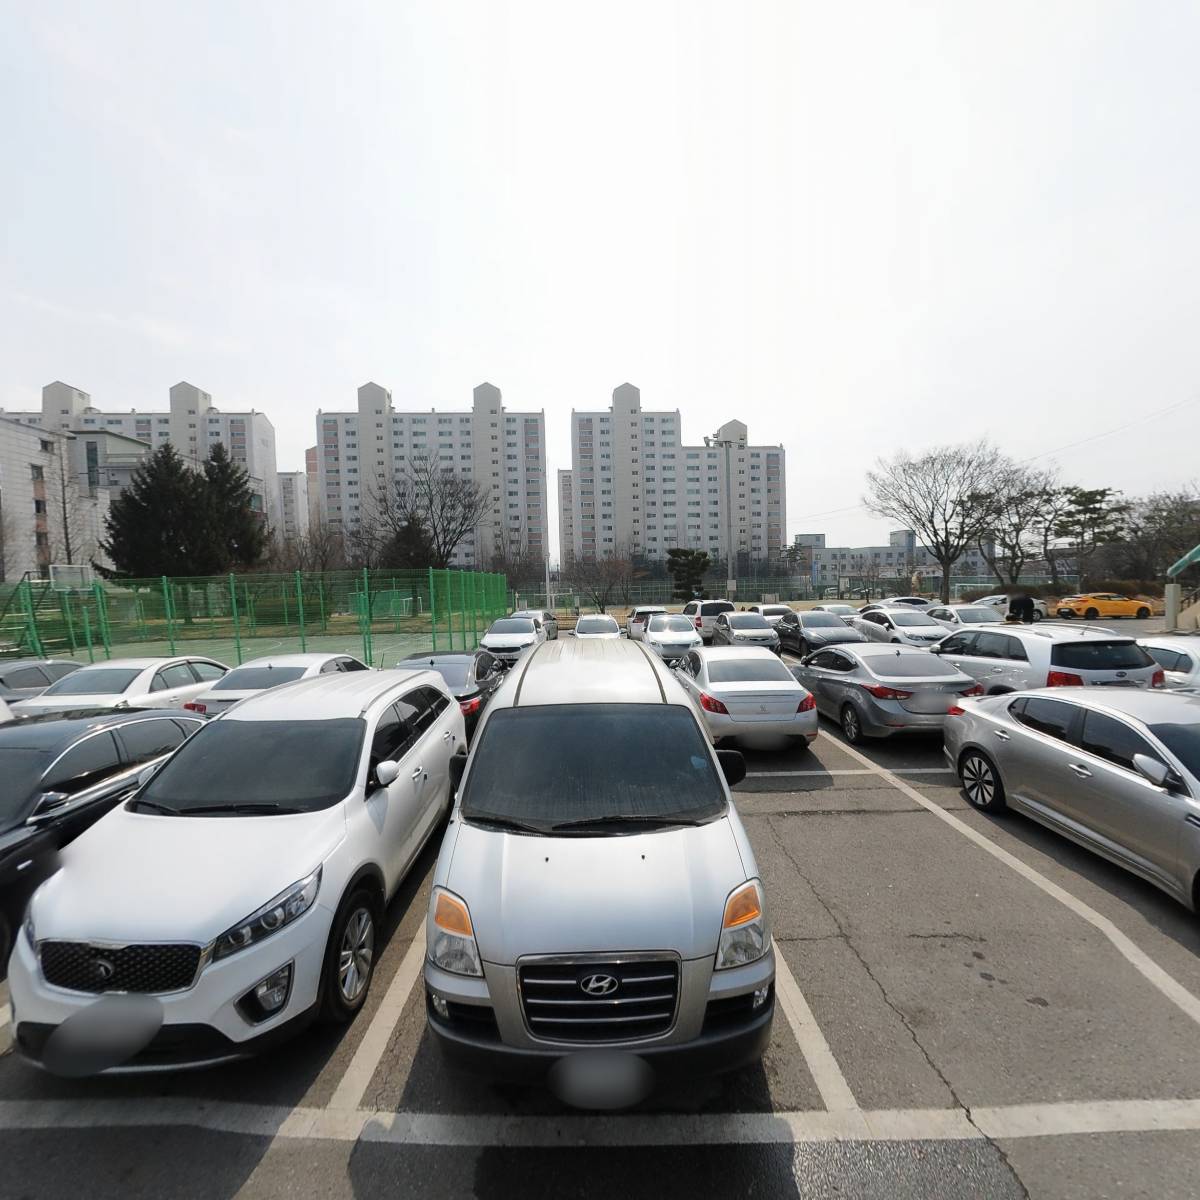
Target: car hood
507,641
138,877
567,895
829,637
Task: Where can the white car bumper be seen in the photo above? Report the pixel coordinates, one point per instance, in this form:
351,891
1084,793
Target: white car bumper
801,724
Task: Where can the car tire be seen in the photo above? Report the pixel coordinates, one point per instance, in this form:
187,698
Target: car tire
851,724
1143,614
1092,614
345,982
1037,614
802,648
981,782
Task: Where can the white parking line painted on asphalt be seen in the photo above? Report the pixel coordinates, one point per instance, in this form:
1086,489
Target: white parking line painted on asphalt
1166,983
5,1015
371,1049
849,771
593,1129
822,1065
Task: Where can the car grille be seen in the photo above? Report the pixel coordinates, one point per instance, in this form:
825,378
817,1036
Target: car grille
83,967
639,1003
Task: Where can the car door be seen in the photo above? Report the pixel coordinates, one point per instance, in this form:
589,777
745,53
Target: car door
1042,747
994,667
550,621
438,728
1139,822
170,687
687,673
788,629
85,781
824,676
720,632
959,650
394,808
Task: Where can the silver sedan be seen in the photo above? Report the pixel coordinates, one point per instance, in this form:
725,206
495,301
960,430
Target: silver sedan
1118,772
878,691
900,625
671,636
1179,656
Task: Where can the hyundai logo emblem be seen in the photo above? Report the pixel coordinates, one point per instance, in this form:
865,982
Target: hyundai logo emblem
1121,674
598,985
103,969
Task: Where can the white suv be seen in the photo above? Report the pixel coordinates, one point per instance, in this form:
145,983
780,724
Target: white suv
1014,658
704,614
240,892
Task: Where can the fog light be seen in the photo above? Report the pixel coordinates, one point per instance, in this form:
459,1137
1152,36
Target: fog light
439,1006
272,993
760,995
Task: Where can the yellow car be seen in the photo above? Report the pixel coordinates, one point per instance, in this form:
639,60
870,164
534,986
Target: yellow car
1092,605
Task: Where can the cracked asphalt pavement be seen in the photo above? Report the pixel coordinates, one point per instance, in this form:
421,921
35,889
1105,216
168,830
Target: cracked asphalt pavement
995,1043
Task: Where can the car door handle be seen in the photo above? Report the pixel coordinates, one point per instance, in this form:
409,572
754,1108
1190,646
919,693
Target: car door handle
1004,737
997,670
448,736
1080,770
417,773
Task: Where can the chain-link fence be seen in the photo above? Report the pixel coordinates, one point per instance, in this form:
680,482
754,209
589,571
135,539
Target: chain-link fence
378,616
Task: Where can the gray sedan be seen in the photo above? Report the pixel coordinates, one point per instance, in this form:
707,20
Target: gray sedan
1116,770
744,629
876,691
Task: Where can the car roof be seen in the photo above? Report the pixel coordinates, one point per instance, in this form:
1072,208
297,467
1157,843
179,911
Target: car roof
593,671
13,664
292,660
1150,705
48,731
327,697
140,664
877,649
438,656
1067,633
1179,639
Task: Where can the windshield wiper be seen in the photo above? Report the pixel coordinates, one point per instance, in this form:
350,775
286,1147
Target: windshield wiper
661,820
247,809
504,823
138,803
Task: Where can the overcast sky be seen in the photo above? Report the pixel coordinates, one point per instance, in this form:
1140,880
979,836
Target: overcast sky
856,227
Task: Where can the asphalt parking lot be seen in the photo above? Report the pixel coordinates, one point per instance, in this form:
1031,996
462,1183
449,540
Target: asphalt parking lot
967,1007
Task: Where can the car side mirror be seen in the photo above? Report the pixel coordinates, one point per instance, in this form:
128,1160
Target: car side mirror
1158,773
807,660
48,803
387,772
458,766
935,649
733,766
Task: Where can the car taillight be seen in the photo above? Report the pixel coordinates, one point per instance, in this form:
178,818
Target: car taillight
955,711
1158,679
472,706
885,693
196,706
976,690
1064,679
712,704
807,704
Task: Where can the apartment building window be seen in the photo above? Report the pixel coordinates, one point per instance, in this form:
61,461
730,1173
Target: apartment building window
36,472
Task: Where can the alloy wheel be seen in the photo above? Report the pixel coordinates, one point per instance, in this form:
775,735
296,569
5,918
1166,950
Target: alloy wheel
850,725
356,954
978,780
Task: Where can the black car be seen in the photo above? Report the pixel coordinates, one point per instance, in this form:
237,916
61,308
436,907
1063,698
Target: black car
804,632
23,678
472,677
59,774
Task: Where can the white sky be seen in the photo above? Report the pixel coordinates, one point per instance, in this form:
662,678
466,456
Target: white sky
854,226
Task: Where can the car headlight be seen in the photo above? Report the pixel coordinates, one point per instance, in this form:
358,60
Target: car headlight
291,903
745,933
452,936
30,931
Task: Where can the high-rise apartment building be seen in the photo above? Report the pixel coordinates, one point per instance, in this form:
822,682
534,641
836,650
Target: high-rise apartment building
360,454
637,489
566,519
191,424
293,508
313,483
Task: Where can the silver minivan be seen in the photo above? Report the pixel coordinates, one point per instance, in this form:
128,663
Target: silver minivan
597,920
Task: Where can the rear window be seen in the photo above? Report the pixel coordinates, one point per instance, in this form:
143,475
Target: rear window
454,673
715,608
748,621
976,616
776,610
102,681
906,619
256,679
1169,660
512,625
1099,656
748,670
918,665
596,625
663,624
550,764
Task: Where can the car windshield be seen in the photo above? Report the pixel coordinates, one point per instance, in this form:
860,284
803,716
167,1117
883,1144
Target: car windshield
1183,741
557,764
909,618
512,625
453,671
916,665
976,616
818,620
748,670
297,766
98,681
748,621
20,769
670,625
596,625
1098,656
256,679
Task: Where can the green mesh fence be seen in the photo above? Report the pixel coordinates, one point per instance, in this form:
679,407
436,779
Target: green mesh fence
379,616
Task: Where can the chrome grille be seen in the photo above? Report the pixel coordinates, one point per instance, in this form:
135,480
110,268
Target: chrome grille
617,999
86,967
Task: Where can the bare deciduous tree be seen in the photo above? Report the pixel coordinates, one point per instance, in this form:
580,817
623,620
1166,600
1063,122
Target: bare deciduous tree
73,521
948,496
602,580
1013,536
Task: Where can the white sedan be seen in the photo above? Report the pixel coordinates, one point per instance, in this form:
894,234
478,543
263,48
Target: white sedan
599,626
747,691
128,683
1000,604
955,616
671,636
262,674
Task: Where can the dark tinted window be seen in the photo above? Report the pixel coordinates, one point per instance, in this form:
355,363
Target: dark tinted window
746,670
144,740
299,765
98,681
959,643
89,762
173,677
1099,656
747,621
256,679
393,734
714,608
20,769
1113,740
56,670
206,671
557,763
910,619
25,677
918,665
596,625
1169,660
828,660
1053,717
999,645
454,671
351,664
1183,741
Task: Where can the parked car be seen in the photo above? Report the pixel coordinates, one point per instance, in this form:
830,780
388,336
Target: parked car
839,610
1117,771
510,637
128,683
747,691
262,674
704,614
596,890
639,617
1093,605
1179,656
911,601
600,625
471,678
24,678
878,691
1000,603
670,636
955,616
267,848
744,629
804,632
1012,658
898,625
547,619
772,613
61,775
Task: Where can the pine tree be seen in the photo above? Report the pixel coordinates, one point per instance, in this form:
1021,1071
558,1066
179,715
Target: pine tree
236,534
687,568
409,547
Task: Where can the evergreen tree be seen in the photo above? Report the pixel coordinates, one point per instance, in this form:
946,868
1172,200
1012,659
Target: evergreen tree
236,535
687,568
409,547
